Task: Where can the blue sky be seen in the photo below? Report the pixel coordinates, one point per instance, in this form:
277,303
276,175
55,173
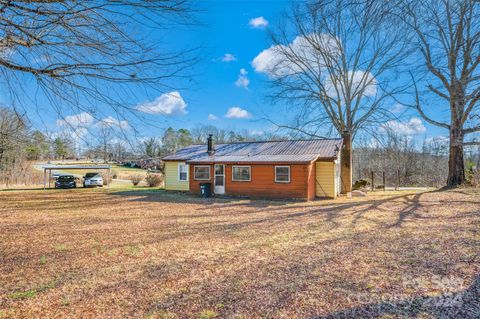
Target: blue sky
226,91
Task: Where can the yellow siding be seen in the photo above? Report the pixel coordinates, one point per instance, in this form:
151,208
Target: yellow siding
171,177
325,179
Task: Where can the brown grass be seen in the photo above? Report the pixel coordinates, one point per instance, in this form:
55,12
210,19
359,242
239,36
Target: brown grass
152,254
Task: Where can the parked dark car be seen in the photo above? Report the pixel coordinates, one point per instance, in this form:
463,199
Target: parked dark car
65,181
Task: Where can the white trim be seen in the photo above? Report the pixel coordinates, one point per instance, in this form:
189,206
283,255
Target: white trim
178,172
201,179
242,180
219,189
289,176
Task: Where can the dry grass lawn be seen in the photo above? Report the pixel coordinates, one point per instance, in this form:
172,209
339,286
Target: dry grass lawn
103,253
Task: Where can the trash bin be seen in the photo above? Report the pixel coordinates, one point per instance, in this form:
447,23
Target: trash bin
205,189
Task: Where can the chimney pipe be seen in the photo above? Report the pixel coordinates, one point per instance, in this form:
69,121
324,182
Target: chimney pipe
210,149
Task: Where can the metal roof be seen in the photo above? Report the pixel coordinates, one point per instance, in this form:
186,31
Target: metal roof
268,151
51,166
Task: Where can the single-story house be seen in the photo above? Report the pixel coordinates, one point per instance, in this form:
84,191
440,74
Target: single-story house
302,169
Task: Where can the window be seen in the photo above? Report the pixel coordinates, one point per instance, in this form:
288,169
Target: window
182,172
201,173
241,173
282,174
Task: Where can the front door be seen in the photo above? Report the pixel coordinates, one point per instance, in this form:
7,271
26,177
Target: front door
219,179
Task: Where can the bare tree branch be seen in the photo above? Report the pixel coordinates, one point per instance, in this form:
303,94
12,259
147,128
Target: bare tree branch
341,64
448,37
91,56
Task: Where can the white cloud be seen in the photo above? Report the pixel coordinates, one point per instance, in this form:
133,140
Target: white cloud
112,122
439,140
412,127
236,112
76,121
274,63
212,117
256,132
166,104
258,22
359,80
79,133
6,52
242,80
228,57
397,108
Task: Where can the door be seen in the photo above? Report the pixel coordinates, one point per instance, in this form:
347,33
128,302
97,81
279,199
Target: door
219,179
325,179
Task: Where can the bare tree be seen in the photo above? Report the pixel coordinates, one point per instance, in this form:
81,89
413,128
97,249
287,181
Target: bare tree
13,139
89,56
448,40
339,70
106,135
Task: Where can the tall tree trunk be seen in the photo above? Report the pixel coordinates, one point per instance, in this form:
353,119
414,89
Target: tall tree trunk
346,163
456,166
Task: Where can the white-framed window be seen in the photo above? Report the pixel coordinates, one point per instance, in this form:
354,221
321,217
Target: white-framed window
182,172
241,173
201,172
282,174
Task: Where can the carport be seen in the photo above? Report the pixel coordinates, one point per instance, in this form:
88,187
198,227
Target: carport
50,168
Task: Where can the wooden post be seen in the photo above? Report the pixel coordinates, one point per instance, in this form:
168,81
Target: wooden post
398,179
44,178
49,177
372,182
383,177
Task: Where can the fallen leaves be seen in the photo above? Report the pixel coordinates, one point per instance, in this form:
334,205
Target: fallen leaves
155,254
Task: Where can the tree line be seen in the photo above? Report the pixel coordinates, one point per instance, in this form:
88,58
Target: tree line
338,65
406,162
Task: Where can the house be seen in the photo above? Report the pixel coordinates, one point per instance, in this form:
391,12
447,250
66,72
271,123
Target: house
302,169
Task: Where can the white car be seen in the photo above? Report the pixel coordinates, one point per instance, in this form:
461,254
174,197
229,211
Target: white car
92,179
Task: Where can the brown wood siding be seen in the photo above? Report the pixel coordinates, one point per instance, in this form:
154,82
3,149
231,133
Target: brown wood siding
311,181
263,185
194,184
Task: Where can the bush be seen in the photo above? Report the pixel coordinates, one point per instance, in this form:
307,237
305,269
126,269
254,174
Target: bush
472,174
153,180
136,179
473,177
106,178
360,184
114,174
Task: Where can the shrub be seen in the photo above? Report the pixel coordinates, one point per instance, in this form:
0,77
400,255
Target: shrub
106,179
472,174
475,178
360,184
136,179
153,180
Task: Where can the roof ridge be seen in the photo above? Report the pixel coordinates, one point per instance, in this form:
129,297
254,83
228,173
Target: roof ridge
275,141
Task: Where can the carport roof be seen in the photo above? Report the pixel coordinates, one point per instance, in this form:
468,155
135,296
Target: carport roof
296,151
51,166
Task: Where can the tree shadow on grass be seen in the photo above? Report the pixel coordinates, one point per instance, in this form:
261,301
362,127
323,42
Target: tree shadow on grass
185,197
404,207
464,304
284,207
